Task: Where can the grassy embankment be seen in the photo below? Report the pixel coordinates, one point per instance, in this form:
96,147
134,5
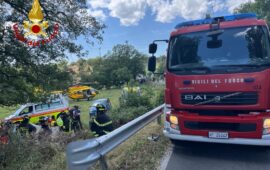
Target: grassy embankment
5,111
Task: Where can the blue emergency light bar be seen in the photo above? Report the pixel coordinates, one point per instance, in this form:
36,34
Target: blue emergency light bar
215,19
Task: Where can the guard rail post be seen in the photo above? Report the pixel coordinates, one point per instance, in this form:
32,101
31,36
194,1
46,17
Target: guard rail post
159,120
103,163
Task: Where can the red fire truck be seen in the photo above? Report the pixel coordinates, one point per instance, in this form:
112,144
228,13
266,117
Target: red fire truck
218,80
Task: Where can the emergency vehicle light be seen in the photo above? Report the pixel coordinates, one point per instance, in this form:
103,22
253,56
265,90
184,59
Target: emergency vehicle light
213,20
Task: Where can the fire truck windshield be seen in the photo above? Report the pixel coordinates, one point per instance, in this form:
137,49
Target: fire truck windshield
241,46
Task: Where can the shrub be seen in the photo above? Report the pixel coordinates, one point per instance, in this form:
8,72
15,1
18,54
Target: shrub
37,152
133,105
26,154
159,99
122,116
133,100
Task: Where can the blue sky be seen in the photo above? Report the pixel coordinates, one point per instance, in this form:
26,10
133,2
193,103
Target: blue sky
139,22
139,35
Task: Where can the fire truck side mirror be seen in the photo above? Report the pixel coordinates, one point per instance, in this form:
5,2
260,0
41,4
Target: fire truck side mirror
152,64
153,48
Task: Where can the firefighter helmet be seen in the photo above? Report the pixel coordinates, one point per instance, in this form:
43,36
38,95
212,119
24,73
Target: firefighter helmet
100,107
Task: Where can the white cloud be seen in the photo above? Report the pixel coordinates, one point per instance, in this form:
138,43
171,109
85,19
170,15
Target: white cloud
162,10
232,4
99,14
190,9
129,12
132,11
98,3
216,5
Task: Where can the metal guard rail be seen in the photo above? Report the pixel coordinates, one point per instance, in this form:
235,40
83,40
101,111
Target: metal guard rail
81,155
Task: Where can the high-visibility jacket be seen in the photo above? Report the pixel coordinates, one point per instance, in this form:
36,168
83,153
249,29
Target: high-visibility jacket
101,125
63,122
59,122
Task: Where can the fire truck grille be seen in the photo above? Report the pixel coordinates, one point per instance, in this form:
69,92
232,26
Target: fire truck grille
228,98
237,127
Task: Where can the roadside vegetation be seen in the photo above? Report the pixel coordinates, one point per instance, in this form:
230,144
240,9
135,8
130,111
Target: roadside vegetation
139,152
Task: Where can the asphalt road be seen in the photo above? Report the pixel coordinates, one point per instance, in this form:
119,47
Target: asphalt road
207,156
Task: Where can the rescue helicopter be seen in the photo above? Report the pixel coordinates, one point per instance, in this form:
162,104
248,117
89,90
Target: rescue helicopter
77,92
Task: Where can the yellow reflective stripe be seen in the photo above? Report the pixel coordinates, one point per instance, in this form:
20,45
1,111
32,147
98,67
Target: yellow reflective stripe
96,135
102,125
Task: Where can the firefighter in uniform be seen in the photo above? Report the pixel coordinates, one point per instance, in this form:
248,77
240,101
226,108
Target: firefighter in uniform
101,123
76,123
44,123
25,126
63,121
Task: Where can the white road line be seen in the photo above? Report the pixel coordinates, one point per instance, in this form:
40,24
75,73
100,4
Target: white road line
165,159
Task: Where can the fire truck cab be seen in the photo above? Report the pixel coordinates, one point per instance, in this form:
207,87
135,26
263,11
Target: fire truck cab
218,80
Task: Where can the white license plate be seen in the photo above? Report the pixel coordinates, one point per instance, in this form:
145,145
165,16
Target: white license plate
218,135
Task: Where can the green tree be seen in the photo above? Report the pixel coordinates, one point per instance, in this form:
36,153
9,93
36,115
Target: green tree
64,79
260,7
99,74
24,68
120,65
127,56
